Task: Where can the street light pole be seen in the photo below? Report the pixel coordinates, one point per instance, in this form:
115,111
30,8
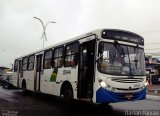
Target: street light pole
44,37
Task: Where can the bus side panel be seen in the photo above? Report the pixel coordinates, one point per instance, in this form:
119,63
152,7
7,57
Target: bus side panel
20,82
67,74
96,86
58,77
15,78
46,85
52,80
29,77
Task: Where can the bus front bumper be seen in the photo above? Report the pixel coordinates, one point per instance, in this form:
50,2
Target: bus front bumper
105,96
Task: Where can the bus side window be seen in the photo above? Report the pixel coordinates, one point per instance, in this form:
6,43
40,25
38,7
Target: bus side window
16,66
48,59
24,63
31,62
58,57
71,54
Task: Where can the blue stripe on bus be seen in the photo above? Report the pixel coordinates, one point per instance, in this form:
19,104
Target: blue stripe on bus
103,95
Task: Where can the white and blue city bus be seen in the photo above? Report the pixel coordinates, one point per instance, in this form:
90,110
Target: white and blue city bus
103,66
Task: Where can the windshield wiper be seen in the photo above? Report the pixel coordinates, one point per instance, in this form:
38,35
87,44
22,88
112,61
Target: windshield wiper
99,57
130,70
136,55
119,48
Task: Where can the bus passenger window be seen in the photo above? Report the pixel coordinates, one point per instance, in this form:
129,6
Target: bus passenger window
71,55
16,66
48,59
24,63
31,62
58,57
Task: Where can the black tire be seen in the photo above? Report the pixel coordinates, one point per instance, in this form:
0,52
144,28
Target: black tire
3,85
24,87
67,94
8,86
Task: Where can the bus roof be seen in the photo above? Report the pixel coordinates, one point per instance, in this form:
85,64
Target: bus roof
96,32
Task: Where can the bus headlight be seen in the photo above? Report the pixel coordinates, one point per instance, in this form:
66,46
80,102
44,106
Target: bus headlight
102,84
146,83
106,86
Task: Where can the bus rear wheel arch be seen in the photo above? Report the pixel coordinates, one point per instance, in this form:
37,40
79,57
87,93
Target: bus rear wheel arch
24,88
66,91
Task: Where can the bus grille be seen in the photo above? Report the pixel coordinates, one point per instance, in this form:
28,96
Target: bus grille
128,80
127,89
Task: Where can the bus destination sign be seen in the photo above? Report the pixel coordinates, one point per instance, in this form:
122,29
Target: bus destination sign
123,36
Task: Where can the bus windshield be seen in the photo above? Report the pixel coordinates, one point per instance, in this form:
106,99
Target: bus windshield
122,60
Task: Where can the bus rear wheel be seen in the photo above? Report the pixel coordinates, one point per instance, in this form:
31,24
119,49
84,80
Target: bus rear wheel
24,87
67,94
3,85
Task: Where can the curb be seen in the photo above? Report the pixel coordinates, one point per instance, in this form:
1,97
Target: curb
153,97
153,90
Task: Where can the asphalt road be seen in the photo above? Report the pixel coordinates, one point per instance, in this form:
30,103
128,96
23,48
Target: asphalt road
13,102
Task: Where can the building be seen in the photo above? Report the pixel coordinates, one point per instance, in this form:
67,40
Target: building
152,69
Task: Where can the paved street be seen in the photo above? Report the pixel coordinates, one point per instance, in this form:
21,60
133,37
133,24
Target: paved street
154,89
13,101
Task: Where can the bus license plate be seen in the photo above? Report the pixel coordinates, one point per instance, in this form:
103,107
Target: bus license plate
129,96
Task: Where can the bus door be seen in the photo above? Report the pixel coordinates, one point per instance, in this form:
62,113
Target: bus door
38,72
19,73
86,70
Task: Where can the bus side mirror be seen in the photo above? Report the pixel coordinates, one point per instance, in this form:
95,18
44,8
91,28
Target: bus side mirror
101,47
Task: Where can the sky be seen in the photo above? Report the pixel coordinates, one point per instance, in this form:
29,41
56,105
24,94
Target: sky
20,33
